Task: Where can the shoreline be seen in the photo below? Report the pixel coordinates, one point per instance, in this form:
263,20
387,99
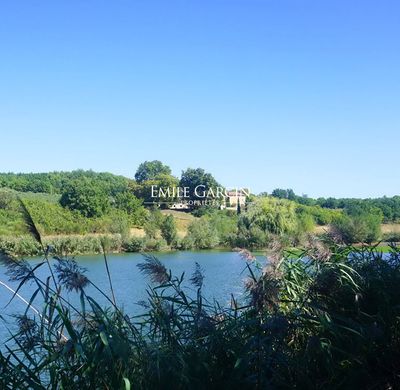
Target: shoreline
90,244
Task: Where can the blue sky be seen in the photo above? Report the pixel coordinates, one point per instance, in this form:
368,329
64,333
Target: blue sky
264,94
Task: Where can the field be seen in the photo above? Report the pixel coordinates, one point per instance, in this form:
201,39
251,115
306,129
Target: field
388,228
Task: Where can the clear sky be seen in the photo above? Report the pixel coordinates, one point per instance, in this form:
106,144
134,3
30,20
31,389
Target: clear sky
264,94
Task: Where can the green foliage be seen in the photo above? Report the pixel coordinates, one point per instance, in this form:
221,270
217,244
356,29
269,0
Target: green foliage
390,207
168,229
155,245
11,223
304,226
144,244
117,221
25,245
252,237
271,215
265,217
358,228
7,199
57,182
192,178
134,244
328,322
53,219
283,194
201,235
85,196
360,223
78,245
144,189
391,237
128,202
20,246
153,223
320,215
225,224
150,170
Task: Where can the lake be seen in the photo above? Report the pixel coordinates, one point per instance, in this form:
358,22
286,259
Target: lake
224,274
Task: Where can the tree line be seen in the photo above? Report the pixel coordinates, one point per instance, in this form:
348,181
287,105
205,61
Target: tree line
388,206
84,202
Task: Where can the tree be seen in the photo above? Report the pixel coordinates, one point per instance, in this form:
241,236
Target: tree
193,178
149,170
85,196
359,223
128,202
271,215
168,229
153,223
164,181
202,235
284,194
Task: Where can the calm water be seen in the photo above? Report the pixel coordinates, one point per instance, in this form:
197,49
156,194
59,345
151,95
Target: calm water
224,274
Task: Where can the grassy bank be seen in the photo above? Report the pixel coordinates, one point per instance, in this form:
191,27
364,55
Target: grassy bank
73,245
137,240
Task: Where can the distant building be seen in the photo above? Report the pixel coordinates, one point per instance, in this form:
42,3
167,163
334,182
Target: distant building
234,198
179,206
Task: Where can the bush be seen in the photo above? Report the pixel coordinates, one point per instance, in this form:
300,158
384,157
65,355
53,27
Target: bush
7,198
11,223
202,235
62,245
128,202
153,223
271,215
358,228
304,226
20,246
155,245
168,229
250,237
225,225
87,197
134,244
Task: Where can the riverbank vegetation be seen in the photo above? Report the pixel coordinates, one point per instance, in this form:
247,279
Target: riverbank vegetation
325,319
75,209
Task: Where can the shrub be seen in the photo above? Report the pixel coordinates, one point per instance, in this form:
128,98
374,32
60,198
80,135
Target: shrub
134,244
168,229
358,228
202,234
153,223
250,237
20,246
128,202
87,197
155,245
225,225
7,198
62,245
271,215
